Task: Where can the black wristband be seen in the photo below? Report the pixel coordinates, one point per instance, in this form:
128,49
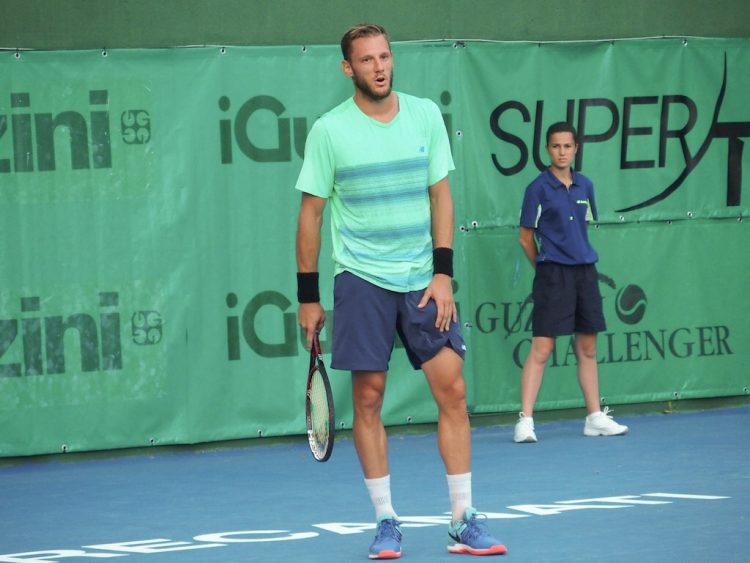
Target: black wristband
307,287
442,261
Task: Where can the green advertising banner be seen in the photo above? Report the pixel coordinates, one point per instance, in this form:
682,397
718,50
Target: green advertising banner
659,122
147,222
676,318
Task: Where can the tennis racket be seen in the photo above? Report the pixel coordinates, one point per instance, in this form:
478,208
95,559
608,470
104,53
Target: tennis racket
319,405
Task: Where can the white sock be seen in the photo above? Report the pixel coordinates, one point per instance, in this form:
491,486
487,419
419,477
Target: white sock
380,495
459,489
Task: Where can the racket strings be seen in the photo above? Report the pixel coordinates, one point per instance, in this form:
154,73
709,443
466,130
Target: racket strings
319,413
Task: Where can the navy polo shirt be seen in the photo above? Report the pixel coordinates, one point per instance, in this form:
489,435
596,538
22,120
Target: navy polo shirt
559,217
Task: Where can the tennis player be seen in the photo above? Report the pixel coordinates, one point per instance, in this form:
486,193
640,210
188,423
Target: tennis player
382,159
556,209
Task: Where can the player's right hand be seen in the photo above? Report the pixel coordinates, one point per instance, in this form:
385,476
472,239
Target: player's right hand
312,318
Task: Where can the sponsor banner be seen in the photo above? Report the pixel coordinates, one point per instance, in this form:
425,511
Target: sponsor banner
676,321
147,222
653,136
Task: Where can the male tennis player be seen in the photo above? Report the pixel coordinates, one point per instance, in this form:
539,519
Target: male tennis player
556,208
382,158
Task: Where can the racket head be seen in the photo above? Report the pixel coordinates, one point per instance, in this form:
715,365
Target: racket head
319,406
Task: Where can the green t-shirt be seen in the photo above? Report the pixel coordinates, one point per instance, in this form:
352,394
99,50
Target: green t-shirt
377,177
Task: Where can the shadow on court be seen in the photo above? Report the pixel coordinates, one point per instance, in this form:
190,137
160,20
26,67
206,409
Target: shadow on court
677,488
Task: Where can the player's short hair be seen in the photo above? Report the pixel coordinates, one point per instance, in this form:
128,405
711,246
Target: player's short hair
562,127
358,31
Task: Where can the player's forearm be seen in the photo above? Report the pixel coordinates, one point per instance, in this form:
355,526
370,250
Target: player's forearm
441,204
308,240
308,249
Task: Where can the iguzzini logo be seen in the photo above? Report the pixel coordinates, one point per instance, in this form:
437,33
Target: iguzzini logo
266,323
623,119
33,136
629,303
262,130
37,341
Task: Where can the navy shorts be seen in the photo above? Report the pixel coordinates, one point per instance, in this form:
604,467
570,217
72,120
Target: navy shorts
366,319
567,300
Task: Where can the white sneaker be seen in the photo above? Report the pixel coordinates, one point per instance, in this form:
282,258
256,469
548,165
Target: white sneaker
524,431
602,424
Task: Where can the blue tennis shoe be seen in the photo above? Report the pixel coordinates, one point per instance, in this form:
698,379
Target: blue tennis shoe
387,544
471,536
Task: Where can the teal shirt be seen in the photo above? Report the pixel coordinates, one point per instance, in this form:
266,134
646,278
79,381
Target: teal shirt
377,176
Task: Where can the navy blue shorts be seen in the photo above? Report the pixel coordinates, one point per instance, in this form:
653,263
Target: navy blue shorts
366,319
567,300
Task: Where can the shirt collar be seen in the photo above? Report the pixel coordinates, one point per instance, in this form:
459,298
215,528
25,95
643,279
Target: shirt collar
555,183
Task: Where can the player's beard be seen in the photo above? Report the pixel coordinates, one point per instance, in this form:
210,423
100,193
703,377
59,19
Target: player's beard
365,89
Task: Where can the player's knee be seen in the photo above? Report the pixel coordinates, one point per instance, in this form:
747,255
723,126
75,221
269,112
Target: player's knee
368,401
452,394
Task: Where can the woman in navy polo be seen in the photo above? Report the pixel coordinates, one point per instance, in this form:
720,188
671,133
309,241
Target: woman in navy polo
556,208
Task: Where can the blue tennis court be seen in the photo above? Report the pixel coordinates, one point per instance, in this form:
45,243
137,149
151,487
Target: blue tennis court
677,488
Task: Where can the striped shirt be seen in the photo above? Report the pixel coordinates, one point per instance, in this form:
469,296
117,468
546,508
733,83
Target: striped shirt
377,176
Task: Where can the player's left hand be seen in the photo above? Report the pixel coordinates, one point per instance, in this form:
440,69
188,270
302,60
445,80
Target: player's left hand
440,290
